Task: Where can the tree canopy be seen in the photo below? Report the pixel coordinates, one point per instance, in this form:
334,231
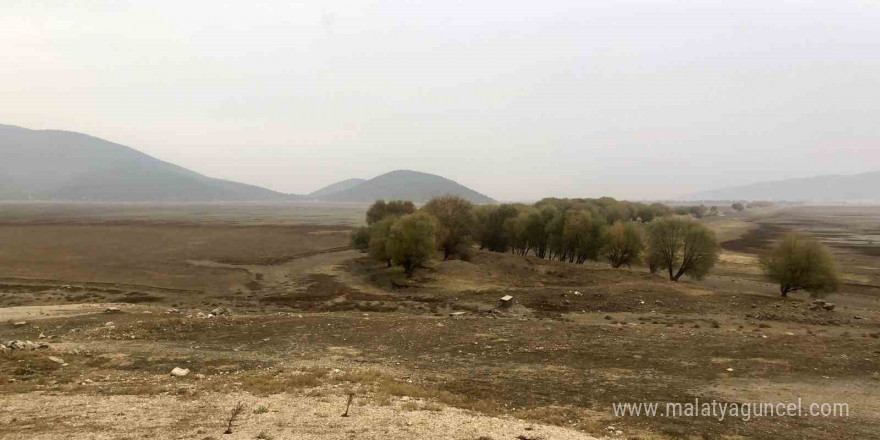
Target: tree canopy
799,262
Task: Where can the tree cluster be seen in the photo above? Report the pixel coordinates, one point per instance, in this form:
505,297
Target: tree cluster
571,230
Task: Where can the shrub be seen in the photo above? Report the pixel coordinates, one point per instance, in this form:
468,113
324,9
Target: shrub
799,262
360,238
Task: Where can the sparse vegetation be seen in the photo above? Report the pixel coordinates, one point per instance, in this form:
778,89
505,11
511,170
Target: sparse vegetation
233,417
738,207
799,262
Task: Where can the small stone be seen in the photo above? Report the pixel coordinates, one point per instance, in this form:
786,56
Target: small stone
179,372
730,369
112,310
55,359
20,323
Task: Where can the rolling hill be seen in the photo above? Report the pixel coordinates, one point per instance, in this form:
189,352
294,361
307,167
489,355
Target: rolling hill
405,185
66,166
335,188
832,188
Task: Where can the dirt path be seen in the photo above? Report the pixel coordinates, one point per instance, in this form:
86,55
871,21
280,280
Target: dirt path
286,417
30,313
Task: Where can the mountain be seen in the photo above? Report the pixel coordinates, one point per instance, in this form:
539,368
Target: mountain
336,187
62,165
833,188
406,185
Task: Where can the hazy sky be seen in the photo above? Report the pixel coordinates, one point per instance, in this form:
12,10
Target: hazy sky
516,99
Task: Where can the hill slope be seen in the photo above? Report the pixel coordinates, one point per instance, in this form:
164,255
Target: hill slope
62,165
853,188
336,187
406,185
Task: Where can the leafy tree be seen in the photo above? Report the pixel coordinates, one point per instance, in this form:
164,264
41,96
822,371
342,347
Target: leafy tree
799,262
581,237
360,238
411,241
379,233
738,207
380,209
624,244
683,245
491,231
455,219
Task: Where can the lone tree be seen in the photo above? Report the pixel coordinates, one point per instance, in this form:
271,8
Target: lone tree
738,207
799,262
411,241
624,244
455,220
682,245
380,209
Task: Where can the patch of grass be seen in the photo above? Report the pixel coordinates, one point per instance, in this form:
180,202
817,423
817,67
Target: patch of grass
263,435
262,409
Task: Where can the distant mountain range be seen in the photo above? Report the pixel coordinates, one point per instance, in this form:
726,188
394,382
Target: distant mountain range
67,166
399,185
832,188
54,165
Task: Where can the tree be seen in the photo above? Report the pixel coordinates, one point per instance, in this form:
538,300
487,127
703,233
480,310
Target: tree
490,228
360,238
411,241
738,207
624,244
455,219
799,262
380,209
683,246
379,233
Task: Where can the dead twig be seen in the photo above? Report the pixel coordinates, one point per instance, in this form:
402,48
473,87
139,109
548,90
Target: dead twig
236,411
348,405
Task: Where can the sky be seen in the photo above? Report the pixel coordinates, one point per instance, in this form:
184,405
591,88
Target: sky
516,99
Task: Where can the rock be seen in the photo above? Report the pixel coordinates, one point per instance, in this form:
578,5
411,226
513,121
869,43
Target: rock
4,348
20,323
828,307
109,324
112,310
219,311
55,359
199,376
505,301
172,311
42,336
730,369
179,372
457,313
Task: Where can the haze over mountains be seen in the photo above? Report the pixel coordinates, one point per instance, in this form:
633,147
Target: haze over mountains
62,165
833,188
403,185
54,165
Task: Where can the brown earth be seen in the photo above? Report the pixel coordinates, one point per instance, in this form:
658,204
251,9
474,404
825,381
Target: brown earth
312,322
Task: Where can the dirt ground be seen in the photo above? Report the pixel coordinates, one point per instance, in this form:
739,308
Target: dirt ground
312,323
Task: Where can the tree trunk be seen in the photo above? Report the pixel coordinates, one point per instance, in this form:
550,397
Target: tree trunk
784,290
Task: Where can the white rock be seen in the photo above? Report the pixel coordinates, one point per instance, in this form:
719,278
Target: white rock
179,372
57,360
